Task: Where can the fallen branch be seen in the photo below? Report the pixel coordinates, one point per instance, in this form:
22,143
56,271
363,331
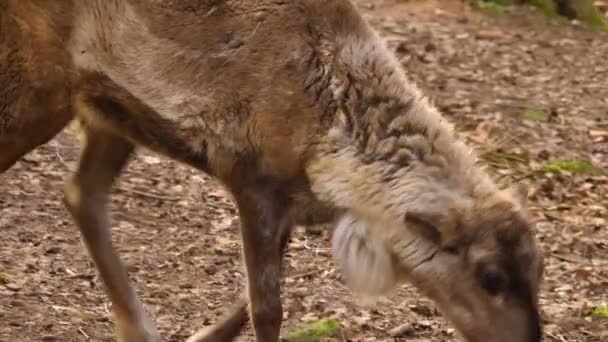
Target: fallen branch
84,334
565,258
305,274
148,194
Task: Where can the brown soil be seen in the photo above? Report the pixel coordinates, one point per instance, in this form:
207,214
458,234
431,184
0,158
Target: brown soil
177,229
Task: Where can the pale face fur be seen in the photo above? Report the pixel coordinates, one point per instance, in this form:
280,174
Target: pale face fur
475,257
485,282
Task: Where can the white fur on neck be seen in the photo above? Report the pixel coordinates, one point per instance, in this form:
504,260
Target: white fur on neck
364,259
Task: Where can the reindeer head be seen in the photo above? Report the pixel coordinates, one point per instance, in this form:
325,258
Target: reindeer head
418,206
477,261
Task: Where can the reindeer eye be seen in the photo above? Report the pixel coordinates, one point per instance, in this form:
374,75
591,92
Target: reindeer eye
493,281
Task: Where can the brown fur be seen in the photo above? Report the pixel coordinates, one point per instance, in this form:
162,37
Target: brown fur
35,75
296,107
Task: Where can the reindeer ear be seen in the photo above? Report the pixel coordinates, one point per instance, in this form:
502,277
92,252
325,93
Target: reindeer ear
425,224
431,225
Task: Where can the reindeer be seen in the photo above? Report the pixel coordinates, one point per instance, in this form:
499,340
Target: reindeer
295,106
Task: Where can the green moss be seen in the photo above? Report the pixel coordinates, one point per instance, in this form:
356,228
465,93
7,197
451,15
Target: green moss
588,13
573,166
546,6
535,114
4,278
326,327
493,6
583,10
600,311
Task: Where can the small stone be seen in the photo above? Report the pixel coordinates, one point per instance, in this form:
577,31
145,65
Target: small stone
13,286
402,330
211,270
422,310
53,250
490,34
17,303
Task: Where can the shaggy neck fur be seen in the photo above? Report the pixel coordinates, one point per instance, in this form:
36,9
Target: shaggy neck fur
389,150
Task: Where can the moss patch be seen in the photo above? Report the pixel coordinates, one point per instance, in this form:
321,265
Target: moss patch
546,6
583,10
572,166
600,311
4,278
326,327
493,6
535,114
588,13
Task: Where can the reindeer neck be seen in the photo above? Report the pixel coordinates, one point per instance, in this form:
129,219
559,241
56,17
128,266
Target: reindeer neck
389,149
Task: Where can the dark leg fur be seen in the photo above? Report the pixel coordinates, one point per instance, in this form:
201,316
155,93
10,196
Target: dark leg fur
231,325
261,214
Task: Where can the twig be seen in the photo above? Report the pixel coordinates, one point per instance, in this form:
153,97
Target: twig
565,258
497,165
524,175
106,309
507,139
510,157
557,337
148,194
85,276
60,157
305,274
84,333
255,29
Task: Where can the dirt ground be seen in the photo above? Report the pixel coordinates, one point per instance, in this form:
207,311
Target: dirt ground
529,92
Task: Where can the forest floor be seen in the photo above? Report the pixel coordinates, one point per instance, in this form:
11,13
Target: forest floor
529,92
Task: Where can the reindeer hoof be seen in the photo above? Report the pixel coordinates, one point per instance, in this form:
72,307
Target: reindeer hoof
204,335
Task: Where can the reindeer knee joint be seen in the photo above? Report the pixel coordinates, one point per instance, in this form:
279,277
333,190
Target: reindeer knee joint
268,312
